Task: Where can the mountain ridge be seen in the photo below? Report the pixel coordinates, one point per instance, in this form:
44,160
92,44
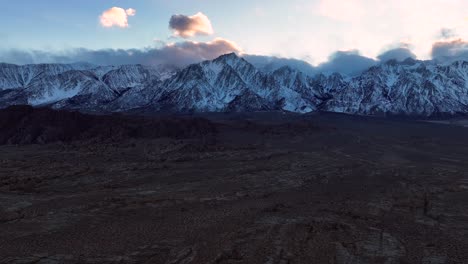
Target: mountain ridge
231,83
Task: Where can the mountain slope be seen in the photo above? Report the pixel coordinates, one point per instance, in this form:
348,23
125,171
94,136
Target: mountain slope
231,83
410,88
73,86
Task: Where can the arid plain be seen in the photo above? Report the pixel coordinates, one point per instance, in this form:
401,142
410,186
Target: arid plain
231,188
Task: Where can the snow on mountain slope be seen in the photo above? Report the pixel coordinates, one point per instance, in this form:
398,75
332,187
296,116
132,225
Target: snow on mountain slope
54,88
294,90
231,83
192,89
14,76
213,85
137,97
50,83
411,88
128,76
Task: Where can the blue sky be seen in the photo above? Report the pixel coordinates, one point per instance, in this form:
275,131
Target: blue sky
62,24
305,29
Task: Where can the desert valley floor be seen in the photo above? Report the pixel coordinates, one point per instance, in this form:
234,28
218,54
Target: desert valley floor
234,188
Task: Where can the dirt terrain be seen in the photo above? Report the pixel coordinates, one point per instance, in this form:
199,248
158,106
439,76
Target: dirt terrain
239,188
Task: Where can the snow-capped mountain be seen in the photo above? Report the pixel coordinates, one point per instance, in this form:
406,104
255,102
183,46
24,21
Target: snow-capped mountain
14,76
410,87
231,83
217,85
76,86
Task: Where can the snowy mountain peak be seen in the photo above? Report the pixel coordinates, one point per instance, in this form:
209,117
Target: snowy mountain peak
231,83
228,57
233,60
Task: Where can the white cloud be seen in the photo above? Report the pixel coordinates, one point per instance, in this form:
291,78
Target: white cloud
116,17
130,12
369,24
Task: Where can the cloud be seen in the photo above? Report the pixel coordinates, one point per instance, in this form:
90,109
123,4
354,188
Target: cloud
177,54
346,62
180,54
272,63
399,54
191,51
352,63
446,51
190,26
116,17
130,12
349,63
447,33
365,24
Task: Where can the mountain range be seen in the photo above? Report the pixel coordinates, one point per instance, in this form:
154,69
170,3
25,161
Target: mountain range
232,83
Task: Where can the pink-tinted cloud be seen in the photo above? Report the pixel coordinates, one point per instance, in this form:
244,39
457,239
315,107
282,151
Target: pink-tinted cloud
192,50
116,17
177,54
190,26
449,50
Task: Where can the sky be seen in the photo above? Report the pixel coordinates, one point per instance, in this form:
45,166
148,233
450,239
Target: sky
153,31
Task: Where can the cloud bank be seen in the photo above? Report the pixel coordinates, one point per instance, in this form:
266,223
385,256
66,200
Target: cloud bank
450,50
177,54
346,62
190,26
367,24
272,63
350,63
116,17
399,54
